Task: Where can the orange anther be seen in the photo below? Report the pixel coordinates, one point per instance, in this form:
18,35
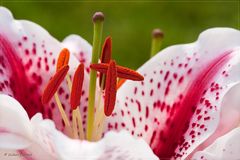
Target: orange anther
77,87
111,89
122,72
54,83
106,56
63,58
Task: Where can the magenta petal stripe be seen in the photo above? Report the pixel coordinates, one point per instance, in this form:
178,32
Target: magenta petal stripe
182,112
22,89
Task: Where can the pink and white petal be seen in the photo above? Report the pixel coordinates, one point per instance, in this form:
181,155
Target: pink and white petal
29,54
45,142
21,137
80,48
22,45
112,147
42,141
178,104
229,117
12,135
53,144
225,147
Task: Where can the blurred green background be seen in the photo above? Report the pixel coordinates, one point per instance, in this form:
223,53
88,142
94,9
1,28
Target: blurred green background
130,23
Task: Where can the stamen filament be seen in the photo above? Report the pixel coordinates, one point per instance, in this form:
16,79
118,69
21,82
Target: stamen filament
69,82
80,126
77,124
157,37
99,123
63,114
99,113
74,125
98,19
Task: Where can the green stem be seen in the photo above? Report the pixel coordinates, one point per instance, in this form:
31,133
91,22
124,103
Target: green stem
97,37
156,45
157,37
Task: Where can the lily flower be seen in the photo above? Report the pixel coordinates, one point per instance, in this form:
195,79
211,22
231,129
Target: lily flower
179,109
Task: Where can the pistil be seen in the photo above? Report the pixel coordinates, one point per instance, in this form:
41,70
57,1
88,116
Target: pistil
98,19
157,37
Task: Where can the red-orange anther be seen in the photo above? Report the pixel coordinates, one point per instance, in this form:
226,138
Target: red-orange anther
105,57
63,58
54,83
111,89
106,50
122,72
77,87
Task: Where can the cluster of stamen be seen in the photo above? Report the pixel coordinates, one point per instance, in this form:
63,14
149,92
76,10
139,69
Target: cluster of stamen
109,81
111,77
